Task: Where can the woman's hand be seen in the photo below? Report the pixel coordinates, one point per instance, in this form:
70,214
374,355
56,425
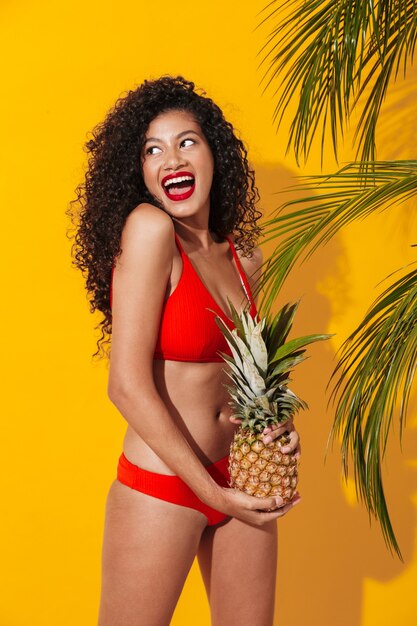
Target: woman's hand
256,511
273,432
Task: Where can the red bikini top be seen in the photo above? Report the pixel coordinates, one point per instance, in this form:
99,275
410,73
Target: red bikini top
187,330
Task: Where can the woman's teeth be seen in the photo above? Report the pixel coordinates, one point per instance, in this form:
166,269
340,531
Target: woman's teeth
177,180
179,187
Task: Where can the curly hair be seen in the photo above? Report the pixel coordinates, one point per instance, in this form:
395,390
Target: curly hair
114,184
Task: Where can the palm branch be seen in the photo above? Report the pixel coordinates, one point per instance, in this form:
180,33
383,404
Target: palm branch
377,364
334,57
375,377
333,202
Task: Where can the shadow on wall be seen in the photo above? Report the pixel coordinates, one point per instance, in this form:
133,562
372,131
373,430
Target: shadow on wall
396,122
327,547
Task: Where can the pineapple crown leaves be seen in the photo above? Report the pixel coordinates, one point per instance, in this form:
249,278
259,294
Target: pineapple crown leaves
260,365
275,334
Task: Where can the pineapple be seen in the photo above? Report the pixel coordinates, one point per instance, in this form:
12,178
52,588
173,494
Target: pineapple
259,370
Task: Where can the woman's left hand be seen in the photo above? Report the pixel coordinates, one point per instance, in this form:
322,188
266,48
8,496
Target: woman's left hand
273,432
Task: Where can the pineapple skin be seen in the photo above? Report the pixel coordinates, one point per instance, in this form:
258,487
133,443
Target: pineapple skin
262,470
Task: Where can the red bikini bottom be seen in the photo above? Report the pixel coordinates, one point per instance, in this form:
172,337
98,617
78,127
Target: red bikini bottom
173,488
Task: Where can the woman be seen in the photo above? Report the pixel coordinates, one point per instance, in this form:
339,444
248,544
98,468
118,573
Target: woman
168,183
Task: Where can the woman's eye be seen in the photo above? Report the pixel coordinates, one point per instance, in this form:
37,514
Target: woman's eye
152,150
187,142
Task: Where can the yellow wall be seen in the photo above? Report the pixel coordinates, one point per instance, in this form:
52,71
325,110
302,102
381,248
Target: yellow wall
63,66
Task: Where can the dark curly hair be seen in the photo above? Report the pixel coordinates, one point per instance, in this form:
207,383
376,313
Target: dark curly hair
114,184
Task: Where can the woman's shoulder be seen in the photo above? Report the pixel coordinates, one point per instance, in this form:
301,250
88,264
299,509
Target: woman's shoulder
147,239
148,224
149,216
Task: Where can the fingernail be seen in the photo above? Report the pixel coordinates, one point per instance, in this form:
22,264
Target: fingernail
279,501
267,439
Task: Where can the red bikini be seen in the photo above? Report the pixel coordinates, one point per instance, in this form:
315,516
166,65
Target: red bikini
173,488
187,332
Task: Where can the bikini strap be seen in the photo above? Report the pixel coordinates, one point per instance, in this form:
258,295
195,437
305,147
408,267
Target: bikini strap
243,277
179,246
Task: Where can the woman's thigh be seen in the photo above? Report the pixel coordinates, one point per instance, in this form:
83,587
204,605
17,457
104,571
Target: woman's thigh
148,548
238,563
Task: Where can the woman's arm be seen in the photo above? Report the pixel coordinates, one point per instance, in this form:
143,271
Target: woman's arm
140,279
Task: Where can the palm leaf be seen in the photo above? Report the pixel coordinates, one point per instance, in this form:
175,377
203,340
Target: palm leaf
375,376
378,361
400,32
333,201
335,57
328,54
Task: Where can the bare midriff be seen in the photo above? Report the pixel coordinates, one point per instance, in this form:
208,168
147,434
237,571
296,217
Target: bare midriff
197,400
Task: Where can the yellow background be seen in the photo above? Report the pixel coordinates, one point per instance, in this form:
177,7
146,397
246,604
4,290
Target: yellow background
64,64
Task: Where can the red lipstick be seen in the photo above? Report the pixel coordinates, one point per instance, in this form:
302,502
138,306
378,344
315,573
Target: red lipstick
181,187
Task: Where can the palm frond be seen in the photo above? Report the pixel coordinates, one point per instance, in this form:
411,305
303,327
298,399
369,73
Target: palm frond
333,201
327,53
400,37
378,362
375,376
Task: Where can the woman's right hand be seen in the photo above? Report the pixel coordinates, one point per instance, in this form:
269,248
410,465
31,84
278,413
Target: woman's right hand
256,511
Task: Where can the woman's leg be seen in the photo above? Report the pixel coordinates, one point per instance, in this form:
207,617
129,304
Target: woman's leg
148,548
238,564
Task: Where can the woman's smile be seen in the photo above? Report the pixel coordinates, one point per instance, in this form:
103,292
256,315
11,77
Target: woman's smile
179,186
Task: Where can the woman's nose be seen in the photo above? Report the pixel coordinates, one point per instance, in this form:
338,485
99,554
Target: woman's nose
173,159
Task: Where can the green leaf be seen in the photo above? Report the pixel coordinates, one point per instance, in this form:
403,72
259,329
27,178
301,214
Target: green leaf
332,59
340,199
375,377
286,365
294,345
260,376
